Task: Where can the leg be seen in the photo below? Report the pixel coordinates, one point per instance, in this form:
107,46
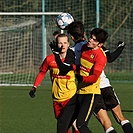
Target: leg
68,131
102,116
66,115
87,104
126,125
118,114
74,128
112,102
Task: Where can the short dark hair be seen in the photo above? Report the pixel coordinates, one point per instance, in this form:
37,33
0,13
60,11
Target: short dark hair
56,32
100,34
76,29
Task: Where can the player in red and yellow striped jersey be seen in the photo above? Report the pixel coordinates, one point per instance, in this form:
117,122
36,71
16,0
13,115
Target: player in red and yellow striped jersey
92,62
63,86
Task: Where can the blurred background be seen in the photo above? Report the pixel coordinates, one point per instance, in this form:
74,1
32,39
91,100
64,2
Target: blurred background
24,38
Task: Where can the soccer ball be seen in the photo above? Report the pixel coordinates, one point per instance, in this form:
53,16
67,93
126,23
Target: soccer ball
63,20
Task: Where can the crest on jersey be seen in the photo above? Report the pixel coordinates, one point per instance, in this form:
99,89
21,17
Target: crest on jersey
92,56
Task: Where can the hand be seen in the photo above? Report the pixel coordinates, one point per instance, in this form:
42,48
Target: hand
79,78
55,48
121,44
52,44
32,92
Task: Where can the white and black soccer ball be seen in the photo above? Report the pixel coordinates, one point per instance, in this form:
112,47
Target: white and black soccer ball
63,20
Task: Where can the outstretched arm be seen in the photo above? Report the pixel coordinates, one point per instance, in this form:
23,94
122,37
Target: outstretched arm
114,55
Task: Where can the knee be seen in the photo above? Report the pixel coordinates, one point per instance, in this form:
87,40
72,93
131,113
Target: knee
61,126
80,124
82,127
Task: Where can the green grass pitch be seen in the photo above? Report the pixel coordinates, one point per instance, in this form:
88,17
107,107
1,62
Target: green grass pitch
21,114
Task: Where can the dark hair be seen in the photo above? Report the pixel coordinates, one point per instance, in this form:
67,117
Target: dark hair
56,33
100,34
76,29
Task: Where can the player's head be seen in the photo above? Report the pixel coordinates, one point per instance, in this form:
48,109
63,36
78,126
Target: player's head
97,38
56,33
62,40
100,34
76,29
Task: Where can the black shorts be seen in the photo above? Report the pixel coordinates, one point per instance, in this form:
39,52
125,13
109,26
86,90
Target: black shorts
86,104
108,99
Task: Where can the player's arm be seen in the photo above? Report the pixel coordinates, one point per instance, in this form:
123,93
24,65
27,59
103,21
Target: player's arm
114,55
89,79
68,63
40,76
38,80
98,67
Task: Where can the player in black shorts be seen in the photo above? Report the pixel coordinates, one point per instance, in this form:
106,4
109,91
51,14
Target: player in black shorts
109,99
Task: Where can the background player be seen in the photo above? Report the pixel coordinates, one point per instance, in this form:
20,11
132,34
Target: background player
109,98
56,33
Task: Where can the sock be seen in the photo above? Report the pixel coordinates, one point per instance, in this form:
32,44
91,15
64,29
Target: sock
68,131
110,130
76,131
126,126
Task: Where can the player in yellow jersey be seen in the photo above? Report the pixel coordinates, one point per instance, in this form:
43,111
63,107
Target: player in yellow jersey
92,62
63,85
